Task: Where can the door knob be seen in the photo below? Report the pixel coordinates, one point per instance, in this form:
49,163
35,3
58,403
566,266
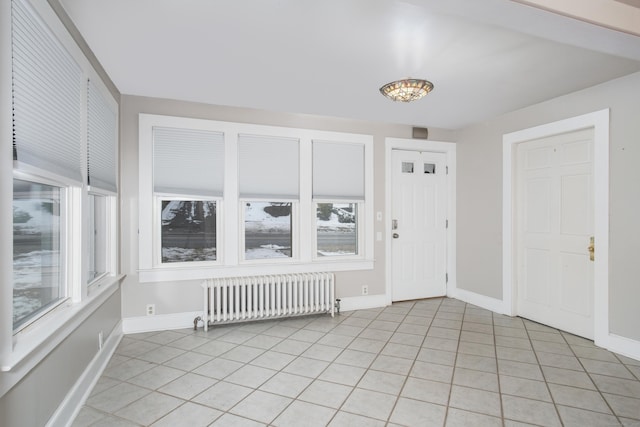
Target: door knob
396,235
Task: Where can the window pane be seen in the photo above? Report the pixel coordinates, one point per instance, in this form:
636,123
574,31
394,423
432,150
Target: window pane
188,230
407,167
97,236
37,266
337,229
267,228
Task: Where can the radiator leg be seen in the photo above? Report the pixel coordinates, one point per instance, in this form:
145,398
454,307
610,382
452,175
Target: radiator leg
338,305
195,323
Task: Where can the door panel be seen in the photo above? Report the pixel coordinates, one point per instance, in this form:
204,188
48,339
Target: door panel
419,209
554,214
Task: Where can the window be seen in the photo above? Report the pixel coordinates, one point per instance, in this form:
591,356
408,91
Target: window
267,230
338,189
188,230
38,275
268,170
188,180
98,240
337,229
429,168
229,199
102,142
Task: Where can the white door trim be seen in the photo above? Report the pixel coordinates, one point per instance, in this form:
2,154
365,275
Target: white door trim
449,148
598,120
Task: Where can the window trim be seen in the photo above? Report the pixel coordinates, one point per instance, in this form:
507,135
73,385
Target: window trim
231,248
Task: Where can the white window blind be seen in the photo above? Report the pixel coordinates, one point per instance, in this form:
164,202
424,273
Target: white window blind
268,167
338,170
188,162
102,139
47,98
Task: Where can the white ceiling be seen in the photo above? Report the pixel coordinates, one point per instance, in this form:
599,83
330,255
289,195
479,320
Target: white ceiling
329,57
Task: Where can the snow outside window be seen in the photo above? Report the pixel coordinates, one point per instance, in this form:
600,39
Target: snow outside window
38,276
337,229
188,230
267,230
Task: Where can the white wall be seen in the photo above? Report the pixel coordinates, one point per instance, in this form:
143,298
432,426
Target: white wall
479,181
186,296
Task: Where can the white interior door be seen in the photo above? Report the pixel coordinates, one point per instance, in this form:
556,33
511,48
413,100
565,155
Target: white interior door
418,247
554,214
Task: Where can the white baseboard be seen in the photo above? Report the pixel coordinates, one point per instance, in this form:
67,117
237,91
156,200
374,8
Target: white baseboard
622,345
363,302
482,301
73,401
159,322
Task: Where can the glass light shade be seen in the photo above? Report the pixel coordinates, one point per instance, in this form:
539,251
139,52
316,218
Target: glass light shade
406,90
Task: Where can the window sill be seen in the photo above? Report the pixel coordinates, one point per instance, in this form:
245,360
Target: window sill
201,273
34,343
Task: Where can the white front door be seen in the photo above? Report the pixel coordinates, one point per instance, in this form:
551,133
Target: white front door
418,247
554,215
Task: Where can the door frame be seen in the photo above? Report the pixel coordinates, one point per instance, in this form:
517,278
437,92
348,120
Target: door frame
599,121
448,148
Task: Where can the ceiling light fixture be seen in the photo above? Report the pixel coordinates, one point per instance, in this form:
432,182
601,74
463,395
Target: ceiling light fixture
406,90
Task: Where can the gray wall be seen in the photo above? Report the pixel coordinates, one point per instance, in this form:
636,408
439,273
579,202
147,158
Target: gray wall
186,296
35,398
479,198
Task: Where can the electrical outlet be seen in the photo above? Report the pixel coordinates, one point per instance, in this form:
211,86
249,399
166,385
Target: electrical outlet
365,290
100,340
151,309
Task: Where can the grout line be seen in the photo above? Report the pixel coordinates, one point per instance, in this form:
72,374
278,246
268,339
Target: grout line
495,349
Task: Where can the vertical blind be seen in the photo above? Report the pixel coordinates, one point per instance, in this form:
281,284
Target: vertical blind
47,98
188,161
102,139
269,167
338,170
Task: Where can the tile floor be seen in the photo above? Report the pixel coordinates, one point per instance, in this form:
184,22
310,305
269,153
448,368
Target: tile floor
426,363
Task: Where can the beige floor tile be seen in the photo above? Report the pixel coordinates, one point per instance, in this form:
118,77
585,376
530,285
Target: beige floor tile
410,412
326,394
460,418
530,411
369,403
261,406
474,400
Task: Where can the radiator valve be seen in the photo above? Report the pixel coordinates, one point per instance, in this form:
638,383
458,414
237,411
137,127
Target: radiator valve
195,323
338,305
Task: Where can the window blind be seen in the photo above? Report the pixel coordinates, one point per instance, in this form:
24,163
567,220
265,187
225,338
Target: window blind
338,171
47,98
268,167
188,162
102,139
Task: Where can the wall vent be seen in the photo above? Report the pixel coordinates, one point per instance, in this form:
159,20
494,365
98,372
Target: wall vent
420,133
